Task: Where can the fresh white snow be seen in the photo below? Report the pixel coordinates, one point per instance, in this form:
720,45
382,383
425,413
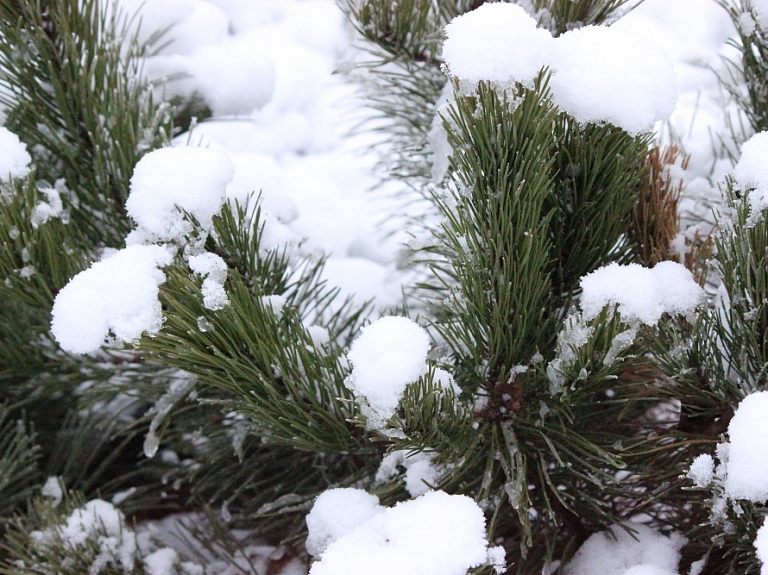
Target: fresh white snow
14,158
389,354
747,465
115,301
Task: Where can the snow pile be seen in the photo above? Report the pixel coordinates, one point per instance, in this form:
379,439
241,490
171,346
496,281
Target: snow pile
213,269
115,301
747,465
497,42
618,552
388,355
14,158
169,181
642,295
599,74
435,534
420,471
751,175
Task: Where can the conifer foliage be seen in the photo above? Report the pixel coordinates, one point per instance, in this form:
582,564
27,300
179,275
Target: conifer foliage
557,371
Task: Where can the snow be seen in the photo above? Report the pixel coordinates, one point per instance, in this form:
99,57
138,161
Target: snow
420,471
747,465
113,302
642,295
761,547
168,181
53,491
335,513
435,534
617,552
496,42
214,271
14,158
607,75
599,74
761,11
751,175
161,562
702,470
44,211
389,354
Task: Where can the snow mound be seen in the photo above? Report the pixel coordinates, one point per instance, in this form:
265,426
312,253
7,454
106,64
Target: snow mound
114,301
751,175
435,534
497,42
171,180
642,295
617,552
747,466
14,158
607,75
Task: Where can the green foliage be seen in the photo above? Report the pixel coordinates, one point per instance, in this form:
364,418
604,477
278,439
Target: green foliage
19,457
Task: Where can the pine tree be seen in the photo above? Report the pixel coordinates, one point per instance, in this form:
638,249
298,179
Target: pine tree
255,394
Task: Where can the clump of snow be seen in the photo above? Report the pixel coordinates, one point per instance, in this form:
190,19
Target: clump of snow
44,211
751,175
435,534
169,181
642,295
389,354
607,75
336,512
114,301
497,42
421,473
599,74
702,470
14,158
53,491
213,269
747,465
575,334
617,552
761,547
96,522
161,562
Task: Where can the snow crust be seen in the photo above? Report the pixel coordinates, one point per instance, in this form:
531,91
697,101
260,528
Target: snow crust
389,354
435,534
747,465
617,552
751,175
168,181
497,42
114,301
14,158
599,74
642,295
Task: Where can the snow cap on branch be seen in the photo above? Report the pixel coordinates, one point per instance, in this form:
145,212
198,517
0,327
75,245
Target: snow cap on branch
14,158
606,75
170,181
113,301
599,74
747,465
497,42
751,175
642,295
388,355
435,534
